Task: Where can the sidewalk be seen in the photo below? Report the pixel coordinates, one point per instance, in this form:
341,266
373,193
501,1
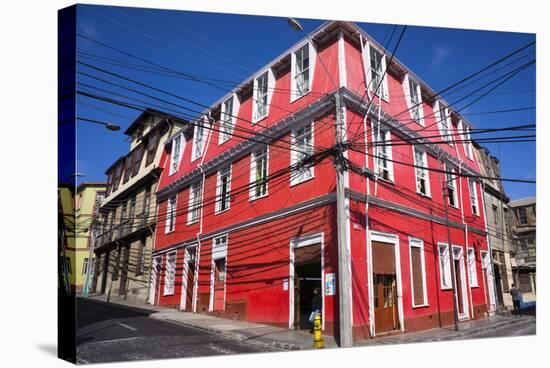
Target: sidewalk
281,338
468,329
256,333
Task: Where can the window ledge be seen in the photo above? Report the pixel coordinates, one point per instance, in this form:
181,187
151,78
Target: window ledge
427,196
256,121
169,232
301,181
254,198
421,306
221,211
192,222
294,99
168,294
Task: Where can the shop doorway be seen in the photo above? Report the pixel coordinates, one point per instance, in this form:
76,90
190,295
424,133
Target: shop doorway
386,311
306,275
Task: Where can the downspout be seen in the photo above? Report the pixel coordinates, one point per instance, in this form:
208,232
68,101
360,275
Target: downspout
198,253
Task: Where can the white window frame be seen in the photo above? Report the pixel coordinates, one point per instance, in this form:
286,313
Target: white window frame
466,143
443,119
298,153
193,213
418,243
175,155
474,200
384,85
408,84
452,185
258,96
312,54
228,119
198,145
446,257
382,151
227,170
253,173
85,265
472,271
425,172
170,270
170,225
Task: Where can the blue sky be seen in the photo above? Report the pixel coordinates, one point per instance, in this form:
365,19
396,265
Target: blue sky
230,48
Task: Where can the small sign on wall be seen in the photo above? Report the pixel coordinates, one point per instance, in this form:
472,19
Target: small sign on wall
329,284
285,284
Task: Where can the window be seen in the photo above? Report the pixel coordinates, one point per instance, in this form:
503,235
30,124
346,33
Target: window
260,96
118,174
140,266
152,144
472,272
378,83
383,153
444,266
415,100
522,215
227,120
421,172
131,212
194,202
301,69
176,154
258,173
138,155
465,135
223,187
171,214
170,276
68,265
473,196
219,254
198,138
418,272
110,178
219,270
444,122
146,204
450,181
127,167
85,266
302,148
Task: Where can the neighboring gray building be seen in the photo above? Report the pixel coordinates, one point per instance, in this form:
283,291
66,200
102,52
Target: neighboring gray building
498,226
523,216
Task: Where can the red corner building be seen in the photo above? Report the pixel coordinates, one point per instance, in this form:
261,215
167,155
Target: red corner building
247,219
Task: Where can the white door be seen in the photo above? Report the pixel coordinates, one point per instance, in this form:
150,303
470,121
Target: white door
488,279
155,270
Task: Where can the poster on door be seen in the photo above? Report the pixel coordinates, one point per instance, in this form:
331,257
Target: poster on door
329,284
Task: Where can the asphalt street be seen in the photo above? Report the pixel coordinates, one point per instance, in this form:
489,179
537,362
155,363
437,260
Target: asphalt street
109,333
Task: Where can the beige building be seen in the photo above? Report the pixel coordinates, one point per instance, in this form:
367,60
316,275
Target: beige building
498,226
128,214
523,216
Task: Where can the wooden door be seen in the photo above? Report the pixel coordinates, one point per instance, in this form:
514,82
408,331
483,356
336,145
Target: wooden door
190,284
385,303
458,283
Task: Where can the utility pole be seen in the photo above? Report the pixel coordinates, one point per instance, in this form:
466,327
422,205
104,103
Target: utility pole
344,273
450,248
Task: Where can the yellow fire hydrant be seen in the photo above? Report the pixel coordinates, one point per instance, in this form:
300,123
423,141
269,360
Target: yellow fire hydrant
318,341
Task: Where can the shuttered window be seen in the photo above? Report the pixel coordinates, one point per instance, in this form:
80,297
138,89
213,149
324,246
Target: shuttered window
138,155
170,276
383,258
152,144
418,273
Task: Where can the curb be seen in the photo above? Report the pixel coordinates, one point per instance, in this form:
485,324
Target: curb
237,336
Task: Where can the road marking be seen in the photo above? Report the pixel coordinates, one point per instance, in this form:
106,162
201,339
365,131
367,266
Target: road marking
126,326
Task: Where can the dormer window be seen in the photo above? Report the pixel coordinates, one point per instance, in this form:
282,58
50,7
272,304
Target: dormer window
227,119
303,63
176,153
199,136
444,122
262,95
413,96
378,81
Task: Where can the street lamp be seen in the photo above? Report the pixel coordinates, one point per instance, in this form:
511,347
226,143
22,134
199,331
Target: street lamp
109,126
295,24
